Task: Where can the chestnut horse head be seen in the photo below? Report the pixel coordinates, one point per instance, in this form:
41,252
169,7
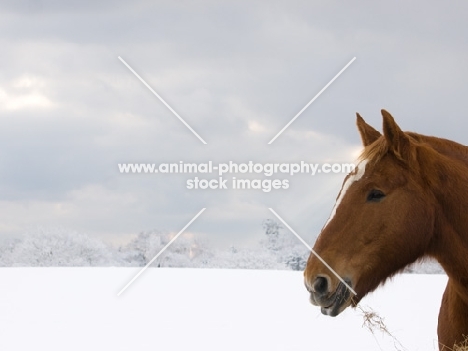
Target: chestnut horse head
383,220
406,199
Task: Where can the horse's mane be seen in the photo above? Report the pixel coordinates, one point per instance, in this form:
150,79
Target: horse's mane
379,148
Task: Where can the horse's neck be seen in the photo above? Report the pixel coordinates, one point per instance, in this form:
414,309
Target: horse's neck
451,237
445,147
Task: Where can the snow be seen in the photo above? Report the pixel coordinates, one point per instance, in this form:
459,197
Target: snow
202,309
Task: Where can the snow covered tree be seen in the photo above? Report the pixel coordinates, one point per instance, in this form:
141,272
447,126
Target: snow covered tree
274,236
287,249
186,251
244,258
59,247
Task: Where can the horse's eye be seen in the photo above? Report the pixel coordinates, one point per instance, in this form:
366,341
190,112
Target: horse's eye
375,195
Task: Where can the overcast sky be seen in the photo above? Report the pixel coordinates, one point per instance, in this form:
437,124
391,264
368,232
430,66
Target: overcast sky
237,72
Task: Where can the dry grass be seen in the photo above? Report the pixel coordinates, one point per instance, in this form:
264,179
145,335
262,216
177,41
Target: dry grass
375,323
463,346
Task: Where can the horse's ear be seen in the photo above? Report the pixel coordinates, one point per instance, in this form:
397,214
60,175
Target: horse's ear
398,142
368,134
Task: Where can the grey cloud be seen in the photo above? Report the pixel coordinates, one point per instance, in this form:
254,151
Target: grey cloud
237,72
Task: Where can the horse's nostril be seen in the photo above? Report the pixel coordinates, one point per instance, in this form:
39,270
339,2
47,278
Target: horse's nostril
321,285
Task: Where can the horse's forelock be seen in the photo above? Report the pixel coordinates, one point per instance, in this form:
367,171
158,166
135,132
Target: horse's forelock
375,151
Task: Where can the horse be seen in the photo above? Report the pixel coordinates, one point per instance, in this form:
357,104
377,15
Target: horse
406,200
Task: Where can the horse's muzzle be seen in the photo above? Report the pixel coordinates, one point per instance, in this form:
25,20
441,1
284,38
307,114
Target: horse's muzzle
331,303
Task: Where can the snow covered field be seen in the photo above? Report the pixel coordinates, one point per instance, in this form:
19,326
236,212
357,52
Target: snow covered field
201,309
